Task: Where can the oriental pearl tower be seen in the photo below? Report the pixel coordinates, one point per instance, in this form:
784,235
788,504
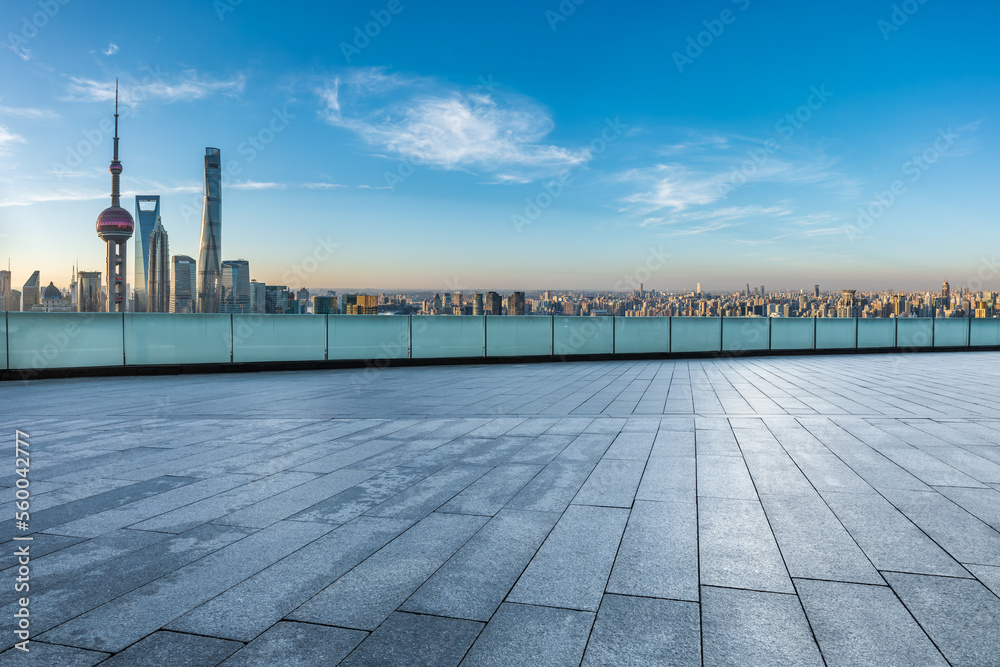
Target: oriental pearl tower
115,226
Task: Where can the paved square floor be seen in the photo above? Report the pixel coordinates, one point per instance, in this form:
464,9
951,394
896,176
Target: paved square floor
739,511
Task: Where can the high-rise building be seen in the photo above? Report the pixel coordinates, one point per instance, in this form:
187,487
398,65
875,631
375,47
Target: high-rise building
515,304
31,293
115,227
847,306
361,304
477,303
324,305
6,291
90,297
183,284
236,295
258,297
302,296
816,291
158,287
275,299
698,288
493,304
945,292
147,213
210,250
15,303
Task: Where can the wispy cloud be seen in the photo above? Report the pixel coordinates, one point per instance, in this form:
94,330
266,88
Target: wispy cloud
7,138
256,185
26,198
25,112
479,129
156,86
111,50
324,186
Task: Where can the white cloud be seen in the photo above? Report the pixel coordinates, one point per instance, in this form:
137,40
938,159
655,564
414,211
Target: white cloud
33,114
111,50
7,138
324,186
154,86
256,185
477,129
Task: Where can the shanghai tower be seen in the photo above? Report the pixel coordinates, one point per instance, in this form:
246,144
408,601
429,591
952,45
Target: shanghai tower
210,255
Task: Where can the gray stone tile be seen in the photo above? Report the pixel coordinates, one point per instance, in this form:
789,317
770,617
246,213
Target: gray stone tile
298,645
554,487
737,547
288,503
983,504
961,615
777,474
754,628
125,620
962,535
814,543
41,654
427,495
717,442
856,624
541,450
571,568
173,648
668,478
724,477
365,495
474,581
888,538
492,491
645,631
528,635
988,575
412,639
634,445
658,556
498,451
674,442
253,605
613,483
366,595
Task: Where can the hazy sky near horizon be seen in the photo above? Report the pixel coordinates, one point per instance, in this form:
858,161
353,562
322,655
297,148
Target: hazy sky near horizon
526,145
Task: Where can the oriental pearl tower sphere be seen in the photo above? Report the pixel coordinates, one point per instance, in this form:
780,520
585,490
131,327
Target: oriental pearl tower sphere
115,226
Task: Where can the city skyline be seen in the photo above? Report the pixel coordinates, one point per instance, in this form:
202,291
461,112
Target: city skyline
568,174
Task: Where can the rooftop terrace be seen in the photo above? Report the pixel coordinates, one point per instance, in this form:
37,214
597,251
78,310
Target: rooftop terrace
738,511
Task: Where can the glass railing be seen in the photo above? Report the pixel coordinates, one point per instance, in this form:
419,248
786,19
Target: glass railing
38,341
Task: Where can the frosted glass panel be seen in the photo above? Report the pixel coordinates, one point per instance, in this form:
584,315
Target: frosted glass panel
642,334
279,338
876,332
951,332
3,340
448,336
695,334
376,337
170,338
792,333
582,335
37,341
985,332
744,333
835,333
914,332
515,336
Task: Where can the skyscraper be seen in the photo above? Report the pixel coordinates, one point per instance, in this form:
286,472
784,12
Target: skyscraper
945,292
477,303
115,226
147,212
236,295
493,304
158,295
816,291
515,304
258,297
6,292
31,293
183,282
89,296
210,252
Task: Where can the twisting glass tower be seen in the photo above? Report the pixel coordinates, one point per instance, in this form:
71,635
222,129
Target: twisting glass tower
115,227
210,255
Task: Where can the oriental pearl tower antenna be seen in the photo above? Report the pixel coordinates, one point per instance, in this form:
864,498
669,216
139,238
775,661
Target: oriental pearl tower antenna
115,226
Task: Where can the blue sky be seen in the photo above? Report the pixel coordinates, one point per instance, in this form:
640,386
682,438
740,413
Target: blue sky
512,145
